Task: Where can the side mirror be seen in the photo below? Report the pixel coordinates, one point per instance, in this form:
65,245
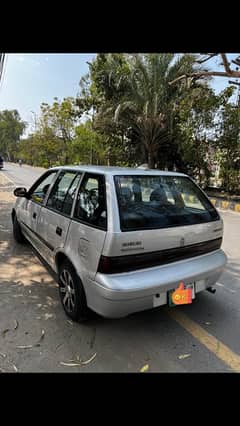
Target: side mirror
20,192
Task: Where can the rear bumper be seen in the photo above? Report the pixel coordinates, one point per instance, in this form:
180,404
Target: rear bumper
118,295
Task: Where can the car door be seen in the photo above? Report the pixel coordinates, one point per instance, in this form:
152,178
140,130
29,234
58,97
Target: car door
88,227
54,219
29,213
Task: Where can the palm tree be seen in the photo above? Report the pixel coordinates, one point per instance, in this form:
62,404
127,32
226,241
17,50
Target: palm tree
148,105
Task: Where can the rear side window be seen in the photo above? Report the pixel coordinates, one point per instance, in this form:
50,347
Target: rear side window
149,202
91,201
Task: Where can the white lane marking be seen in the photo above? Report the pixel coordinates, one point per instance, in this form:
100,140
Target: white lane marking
10,180
226,288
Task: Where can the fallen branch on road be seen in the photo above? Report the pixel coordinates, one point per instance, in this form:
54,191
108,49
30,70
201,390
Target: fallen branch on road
33,345
73,363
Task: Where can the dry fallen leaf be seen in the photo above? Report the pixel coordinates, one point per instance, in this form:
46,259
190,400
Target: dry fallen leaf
15,324
59,345
89,360
70,364
25,346
144,368
35,344
42,335
47,316
73,363
184,356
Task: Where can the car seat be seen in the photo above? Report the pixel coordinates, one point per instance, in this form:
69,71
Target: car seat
159,195
125,195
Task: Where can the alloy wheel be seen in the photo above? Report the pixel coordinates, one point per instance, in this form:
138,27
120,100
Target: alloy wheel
67,290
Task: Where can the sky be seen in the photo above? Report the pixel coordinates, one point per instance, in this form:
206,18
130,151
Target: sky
30,79
220,83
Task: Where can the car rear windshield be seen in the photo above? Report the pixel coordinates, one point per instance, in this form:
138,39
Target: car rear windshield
153,202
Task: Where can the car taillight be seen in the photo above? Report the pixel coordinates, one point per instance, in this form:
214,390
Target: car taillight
119,264
104,265
116,264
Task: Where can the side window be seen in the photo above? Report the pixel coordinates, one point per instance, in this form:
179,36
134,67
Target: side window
68,202
39,192
63,192
91,201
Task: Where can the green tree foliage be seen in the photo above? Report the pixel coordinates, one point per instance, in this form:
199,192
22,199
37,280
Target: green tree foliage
88,146
195,114
59,139
51,143
57,124
228,144
126,113
41,149
11,129
134,102
104,86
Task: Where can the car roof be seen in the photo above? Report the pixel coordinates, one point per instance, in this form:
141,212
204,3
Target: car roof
112,170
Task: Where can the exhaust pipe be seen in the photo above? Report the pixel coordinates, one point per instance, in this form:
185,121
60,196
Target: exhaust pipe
211,290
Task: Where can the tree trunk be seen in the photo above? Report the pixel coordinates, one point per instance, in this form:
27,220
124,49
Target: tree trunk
151,160
199,176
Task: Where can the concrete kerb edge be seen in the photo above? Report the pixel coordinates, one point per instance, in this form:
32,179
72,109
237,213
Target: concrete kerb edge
225,204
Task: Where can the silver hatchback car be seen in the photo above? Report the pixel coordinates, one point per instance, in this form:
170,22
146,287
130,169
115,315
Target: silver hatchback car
121,240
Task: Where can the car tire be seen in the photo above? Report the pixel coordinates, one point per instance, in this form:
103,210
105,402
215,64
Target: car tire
72,294
17,232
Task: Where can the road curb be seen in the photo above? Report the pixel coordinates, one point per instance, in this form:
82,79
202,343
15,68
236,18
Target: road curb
225,204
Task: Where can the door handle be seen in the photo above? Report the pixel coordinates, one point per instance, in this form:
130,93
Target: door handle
34,215
58,230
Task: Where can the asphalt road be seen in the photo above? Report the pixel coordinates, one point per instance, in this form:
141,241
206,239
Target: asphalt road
36,336
22,175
